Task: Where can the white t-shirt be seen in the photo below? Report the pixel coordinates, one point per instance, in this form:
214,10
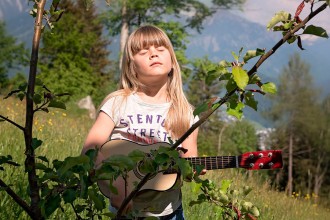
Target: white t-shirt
143,123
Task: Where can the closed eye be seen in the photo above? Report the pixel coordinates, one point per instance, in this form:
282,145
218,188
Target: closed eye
161,48
143,51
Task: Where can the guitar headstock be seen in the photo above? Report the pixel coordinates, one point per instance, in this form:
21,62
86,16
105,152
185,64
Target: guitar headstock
267,159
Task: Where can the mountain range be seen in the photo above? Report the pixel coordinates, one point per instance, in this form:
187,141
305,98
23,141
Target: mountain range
223,33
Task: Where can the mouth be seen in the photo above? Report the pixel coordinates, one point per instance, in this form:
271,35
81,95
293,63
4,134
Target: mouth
156,63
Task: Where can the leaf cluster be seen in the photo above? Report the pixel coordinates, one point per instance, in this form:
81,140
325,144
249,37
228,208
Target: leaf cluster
285,22
230,203
43,98
236,81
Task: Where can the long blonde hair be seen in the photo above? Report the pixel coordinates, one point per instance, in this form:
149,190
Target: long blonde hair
179,116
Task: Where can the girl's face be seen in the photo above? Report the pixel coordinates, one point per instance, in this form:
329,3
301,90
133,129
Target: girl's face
152,64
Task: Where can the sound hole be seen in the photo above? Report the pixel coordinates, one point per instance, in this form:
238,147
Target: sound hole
140,174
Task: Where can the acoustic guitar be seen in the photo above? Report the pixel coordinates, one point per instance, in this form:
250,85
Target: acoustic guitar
165,180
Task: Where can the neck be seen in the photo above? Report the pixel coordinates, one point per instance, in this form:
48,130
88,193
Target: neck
154,94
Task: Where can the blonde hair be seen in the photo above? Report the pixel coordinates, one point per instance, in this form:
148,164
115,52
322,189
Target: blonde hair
179,115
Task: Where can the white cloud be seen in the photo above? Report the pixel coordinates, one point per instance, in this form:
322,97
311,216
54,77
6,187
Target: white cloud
261,11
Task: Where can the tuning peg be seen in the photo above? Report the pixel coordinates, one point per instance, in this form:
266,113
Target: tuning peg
251,156
260,155
271,164
270,154
261,165
251,165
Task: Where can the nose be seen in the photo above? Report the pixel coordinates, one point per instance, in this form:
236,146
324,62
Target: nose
152,52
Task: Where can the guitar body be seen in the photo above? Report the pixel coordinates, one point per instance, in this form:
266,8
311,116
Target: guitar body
160,182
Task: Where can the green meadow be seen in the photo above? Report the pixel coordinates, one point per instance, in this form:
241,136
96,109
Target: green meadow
63,133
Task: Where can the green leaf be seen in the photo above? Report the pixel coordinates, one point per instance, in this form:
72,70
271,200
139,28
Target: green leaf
281,16
269,87
235,109
234,55
148,166
36,143
70,162
98,200
231,85
22,86
250,100
201,108
52,203
254,79
211,76
21,96
253,53
39,82
56,104
41,166
317,31
43,158
121,161
137,155
37,99
185,169
224,64
195,187
225,184
69,195
162,159
240,77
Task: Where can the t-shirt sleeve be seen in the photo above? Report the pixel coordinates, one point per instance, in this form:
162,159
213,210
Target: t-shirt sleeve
111,108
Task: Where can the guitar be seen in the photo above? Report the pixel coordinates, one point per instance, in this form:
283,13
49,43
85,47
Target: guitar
162,181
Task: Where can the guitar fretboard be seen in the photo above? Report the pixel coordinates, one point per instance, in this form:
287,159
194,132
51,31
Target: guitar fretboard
216,162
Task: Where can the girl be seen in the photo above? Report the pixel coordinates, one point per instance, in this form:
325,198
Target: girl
149,107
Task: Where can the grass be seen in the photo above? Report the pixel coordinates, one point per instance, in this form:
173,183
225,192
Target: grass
63,133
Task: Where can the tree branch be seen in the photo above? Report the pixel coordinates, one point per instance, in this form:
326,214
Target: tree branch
251,72
12,122
132,195
30,163
16,198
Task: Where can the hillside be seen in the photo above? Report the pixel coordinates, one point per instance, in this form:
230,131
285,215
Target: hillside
223,33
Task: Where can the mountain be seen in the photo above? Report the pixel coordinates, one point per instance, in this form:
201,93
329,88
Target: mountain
223,33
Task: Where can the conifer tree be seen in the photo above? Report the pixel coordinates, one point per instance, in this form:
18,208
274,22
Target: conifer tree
74,57
13,55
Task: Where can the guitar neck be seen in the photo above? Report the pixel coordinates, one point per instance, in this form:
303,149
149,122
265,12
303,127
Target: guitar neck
216,162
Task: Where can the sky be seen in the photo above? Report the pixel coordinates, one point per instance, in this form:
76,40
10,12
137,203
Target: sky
261,11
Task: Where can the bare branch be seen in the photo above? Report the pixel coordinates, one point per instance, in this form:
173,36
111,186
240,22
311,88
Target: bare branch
16,198
12,122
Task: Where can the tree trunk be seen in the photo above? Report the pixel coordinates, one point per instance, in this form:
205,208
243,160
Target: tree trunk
29,150
319,176
289,186
123,33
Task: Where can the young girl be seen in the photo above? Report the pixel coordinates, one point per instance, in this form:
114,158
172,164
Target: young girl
150,107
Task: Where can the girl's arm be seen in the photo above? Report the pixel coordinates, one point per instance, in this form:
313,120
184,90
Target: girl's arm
191,145
99,133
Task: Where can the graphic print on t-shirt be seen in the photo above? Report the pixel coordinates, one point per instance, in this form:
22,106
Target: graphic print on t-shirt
144,128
